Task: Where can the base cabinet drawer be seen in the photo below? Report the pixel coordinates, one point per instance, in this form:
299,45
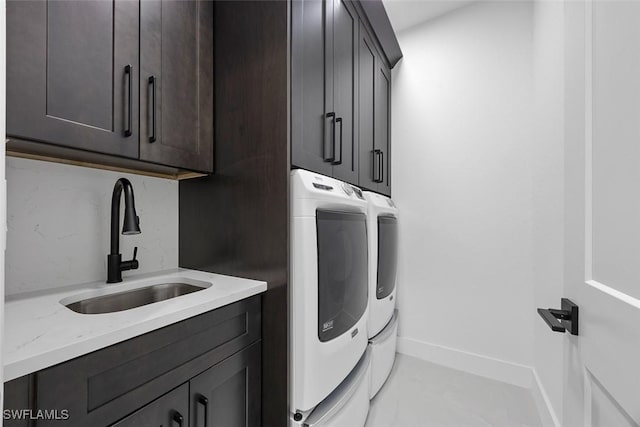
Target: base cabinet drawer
170,410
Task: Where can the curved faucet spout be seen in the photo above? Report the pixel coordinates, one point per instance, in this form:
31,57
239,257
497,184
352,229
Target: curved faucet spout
131,225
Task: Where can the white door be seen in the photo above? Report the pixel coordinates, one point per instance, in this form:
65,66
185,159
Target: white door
602,202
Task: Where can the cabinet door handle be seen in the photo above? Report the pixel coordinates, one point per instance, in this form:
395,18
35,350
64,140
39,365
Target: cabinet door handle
202,400
332,145
381,166
128,70
152,83
178,418
376,165
339,160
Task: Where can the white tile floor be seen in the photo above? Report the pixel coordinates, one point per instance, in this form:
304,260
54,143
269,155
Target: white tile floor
422,394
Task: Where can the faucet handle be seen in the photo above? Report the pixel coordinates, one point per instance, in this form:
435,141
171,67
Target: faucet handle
131,264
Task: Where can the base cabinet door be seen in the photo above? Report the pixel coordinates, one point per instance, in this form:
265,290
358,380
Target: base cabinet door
229,393
171,410
72,74
18,395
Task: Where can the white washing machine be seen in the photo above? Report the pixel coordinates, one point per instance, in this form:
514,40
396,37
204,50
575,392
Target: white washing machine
329,300
382,222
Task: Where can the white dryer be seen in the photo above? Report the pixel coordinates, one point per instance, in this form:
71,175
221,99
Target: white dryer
382,221
328,300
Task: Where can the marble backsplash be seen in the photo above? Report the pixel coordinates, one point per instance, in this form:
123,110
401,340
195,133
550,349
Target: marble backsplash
58,219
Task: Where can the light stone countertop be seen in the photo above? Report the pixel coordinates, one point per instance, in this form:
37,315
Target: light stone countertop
41,332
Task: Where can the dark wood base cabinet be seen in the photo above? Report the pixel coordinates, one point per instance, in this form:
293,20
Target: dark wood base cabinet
169,410
219,395
200,372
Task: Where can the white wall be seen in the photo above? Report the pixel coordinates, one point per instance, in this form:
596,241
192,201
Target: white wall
59,224
478,108
462,177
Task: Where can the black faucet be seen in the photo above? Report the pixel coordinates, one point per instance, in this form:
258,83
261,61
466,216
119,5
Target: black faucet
115,265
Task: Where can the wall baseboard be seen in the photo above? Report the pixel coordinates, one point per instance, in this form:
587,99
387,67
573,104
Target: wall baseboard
484,366
543,403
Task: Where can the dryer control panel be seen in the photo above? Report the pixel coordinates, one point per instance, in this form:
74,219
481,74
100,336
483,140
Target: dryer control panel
330,185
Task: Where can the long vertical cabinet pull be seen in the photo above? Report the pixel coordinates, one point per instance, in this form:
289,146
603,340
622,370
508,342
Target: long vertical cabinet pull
381,166
178,418
202,400
377,169
374,167
330,154
337,161
152,83
128,70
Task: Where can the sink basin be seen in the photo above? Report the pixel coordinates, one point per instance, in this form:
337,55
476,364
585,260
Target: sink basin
126,300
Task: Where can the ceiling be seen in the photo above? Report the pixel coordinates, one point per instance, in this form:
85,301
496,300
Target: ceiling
407,13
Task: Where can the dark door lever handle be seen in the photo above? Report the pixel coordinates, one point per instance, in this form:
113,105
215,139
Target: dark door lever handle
565,319
551,320
560,314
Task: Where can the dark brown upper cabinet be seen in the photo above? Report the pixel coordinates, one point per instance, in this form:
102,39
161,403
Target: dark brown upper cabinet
176,83
72,74
374,118
367,72
324,79
118,77
341,93
382,136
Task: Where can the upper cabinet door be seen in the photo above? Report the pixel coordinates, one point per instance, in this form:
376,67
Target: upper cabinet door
176,83
374,117
312,117
324,49
344,61
72,73
369,166
382,135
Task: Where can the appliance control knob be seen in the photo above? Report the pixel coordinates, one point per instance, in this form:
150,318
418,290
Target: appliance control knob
297,416
347,189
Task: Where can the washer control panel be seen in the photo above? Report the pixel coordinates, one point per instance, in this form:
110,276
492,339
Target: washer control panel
322,186
330,185
348,190
358,193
